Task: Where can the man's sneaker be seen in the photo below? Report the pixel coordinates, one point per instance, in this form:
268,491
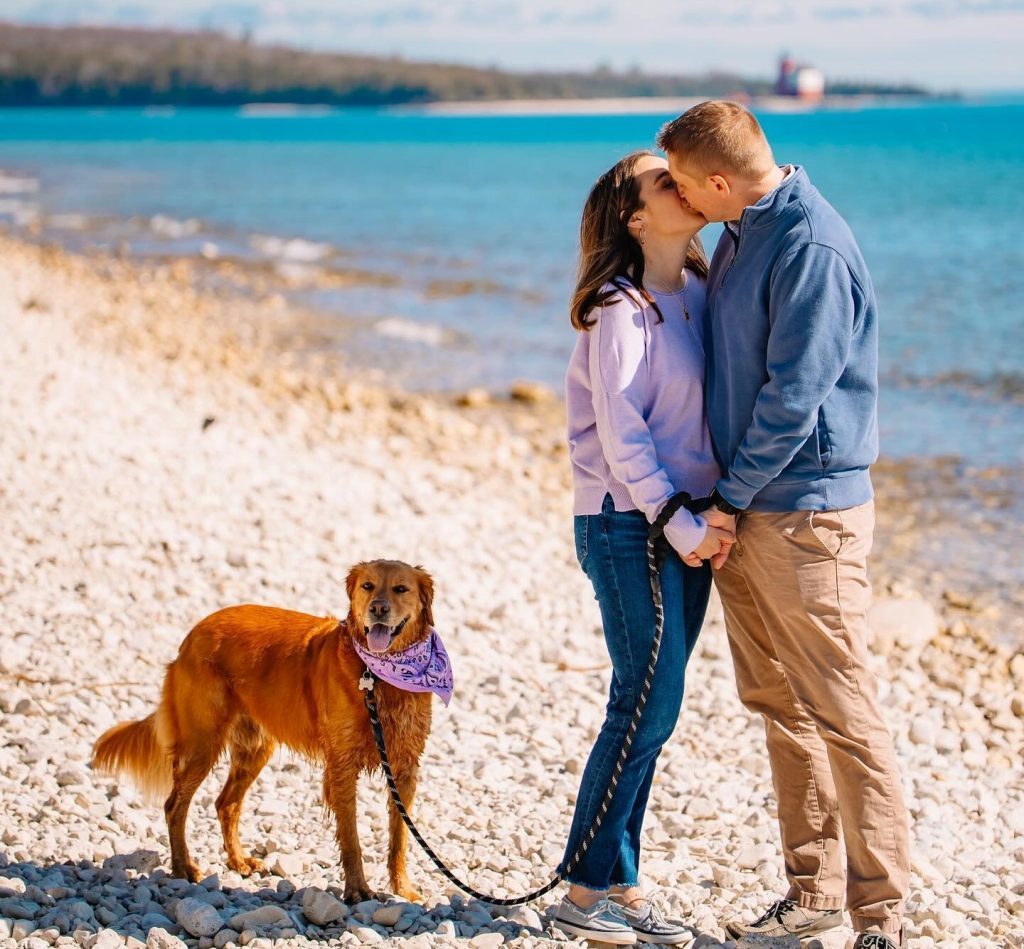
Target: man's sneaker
785,918
651,926
881,940
602,922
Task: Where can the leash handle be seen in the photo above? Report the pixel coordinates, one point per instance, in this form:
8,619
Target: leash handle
657,548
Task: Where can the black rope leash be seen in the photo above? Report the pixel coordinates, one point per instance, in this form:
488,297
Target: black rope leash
657,549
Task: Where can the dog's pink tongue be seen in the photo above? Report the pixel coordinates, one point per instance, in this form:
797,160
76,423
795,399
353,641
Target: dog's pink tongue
379,637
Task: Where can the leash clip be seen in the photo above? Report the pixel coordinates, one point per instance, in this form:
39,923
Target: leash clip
366,681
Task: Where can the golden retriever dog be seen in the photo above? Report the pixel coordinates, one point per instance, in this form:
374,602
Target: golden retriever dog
249,678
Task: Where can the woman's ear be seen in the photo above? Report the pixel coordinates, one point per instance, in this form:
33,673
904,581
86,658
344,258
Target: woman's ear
426,587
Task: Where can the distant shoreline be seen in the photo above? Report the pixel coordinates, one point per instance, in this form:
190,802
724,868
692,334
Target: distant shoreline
651,105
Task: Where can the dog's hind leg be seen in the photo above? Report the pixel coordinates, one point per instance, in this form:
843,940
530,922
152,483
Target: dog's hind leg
405,781
251,748
190,769
201,717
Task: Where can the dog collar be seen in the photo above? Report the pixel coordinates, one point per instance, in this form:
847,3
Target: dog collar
421,667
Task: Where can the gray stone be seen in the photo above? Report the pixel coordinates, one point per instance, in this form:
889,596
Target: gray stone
321,908
266,917
388,915
198,918
224,937
528,917
19,909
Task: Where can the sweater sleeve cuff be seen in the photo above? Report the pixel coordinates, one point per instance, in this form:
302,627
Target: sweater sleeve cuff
685,531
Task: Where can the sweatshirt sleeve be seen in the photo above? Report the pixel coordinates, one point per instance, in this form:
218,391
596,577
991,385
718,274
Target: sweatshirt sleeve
619,380
811,318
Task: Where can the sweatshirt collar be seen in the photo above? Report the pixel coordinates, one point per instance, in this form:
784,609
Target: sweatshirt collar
794,187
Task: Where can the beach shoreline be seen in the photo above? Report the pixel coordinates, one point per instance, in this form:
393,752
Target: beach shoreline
172,449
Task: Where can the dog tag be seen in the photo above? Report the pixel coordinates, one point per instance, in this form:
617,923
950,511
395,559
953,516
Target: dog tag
366,682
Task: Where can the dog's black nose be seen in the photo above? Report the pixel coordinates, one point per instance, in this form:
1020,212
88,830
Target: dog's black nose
380,608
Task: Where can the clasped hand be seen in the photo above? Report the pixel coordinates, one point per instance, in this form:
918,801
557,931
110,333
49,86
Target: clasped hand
717,542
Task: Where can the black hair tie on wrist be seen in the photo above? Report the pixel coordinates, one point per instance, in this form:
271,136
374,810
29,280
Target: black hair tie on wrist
656,531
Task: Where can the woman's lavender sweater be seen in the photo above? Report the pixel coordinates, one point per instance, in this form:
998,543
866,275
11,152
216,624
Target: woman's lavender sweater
635,400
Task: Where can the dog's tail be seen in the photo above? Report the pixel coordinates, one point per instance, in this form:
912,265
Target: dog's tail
136,749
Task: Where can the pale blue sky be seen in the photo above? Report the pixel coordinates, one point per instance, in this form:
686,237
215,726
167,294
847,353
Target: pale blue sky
964,44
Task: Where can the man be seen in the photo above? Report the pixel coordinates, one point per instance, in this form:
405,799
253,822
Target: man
791,401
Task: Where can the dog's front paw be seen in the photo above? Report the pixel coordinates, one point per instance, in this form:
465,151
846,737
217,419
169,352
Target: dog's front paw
190,870
248,866
358,894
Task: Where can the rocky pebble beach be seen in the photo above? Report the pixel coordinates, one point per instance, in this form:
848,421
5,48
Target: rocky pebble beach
168,451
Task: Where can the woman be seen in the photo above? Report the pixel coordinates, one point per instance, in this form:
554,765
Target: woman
637,435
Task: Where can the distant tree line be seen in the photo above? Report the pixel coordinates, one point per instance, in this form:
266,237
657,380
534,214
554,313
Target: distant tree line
106,66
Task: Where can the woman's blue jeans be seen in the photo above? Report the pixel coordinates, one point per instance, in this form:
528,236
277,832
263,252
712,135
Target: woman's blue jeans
612,550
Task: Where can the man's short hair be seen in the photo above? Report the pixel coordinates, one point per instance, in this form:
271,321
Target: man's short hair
718,136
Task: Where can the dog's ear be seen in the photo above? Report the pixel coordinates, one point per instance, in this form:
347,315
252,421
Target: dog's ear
425,582
352,580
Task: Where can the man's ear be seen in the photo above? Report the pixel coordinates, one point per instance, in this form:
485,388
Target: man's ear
425,582
720,183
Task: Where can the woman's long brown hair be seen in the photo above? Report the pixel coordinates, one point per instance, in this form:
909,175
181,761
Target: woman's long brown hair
608,252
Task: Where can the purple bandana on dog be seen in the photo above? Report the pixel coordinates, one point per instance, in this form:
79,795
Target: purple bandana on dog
422,667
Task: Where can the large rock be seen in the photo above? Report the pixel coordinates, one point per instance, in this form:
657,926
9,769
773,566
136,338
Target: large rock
198,918
321,908
909,623
107,939
752,857
162,939
487,941
288,865
265,917
142,861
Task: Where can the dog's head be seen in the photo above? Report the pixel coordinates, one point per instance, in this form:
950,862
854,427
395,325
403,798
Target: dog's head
390,604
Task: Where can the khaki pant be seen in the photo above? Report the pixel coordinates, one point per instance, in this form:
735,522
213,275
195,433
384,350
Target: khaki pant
796,593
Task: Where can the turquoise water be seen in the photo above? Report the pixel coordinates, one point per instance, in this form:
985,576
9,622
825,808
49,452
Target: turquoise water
477,218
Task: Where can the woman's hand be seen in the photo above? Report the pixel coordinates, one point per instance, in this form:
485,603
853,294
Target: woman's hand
714,547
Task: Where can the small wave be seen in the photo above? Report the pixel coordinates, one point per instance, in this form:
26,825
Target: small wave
19,213
68,222
294,249
430,334
1007,386
17,184
173,228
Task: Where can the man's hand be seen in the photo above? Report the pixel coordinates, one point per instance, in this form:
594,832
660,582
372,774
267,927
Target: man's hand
714,547
718,518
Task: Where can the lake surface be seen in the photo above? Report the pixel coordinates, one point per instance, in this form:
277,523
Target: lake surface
471,221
